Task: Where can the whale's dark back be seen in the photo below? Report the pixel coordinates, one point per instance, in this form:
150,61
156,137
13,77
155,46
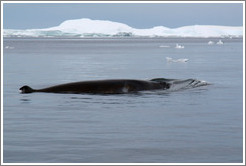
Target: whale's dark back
105,86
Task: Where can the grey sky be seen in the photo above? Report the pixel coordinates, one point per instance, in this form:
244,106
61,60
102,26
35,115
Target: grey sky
44,15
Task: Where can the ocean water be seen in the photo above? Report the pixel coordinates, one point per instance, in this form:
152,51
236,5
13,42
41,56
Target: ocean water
194,125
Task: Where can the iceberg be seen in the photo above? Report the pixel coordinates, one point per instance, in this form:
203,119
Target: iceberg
103,28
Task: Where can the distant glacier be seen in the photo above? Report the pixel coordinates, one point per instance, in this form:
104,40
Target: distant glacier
102,28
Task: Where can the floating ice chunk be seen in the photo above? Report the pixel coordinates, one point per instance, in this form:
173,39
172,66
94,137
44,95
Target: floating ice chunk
164,46
169,59
210,43
219,42
179,46
182,60
8,47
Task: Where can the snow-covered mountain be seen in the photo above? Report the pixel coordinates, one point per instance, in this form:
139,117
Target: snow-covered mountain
101,28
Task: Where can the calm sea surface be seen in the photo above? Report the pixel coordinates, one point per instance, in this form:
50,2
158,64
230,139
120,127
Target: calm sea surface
203,124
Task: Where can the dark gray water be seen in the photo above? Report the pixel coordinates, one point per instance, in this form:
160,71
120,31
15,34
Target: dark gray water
203,124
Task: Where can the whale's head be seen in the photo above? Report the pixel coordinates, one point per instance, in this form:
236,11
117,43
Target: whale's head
26,89
165,85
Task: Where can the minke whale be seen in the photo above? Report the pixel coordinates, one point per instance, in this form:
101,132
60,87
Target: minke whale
114,86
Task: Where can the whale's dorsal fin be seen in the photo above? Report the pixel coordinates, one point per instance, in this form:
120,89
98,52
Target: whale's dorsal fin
26,89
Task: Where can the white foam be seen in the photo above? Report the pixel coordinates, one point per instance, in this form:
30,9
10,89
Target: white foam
186,84
96,28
